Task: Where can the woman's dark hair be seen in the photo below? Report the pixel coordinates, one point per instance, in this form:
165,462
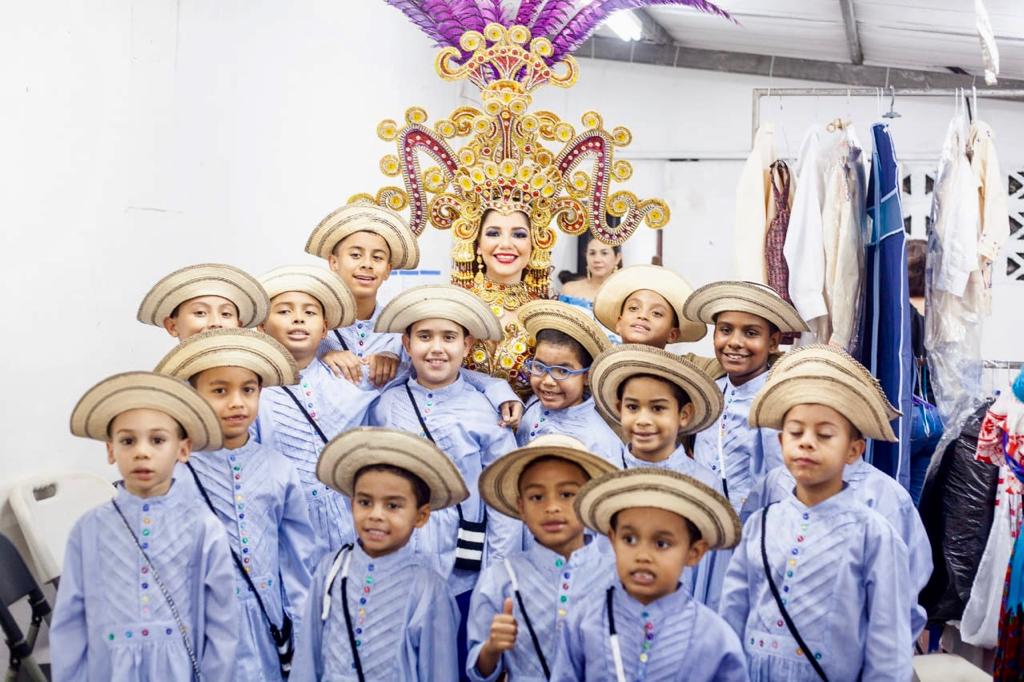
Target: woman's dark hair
681,396
916,256
566,276
558,338
691,529
419,488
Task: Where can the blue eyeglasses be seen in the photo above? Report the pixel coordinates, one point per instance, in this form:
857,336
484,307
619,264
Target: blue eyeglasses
558,372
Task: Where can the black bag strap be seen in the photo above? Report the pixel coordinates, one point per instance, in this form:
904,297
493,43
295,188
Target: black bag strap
344,346
808,654
348,624
526,617
274,630
312,422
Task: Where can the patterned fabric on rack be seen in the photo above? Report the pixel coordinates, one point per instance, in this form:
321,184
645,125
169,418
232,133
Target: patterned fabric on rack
775,239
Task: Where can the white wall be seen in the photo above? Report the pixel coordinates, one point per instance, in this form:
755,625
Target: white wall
144,135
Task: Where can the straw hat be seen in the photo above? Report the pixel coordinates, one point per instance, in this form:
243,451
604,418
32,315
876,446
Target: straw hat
146,390
824,375
745,297
345,455
673,288
323,285
246,348
499,482
601,498
569,319
210,279
366,217
443,301
616,365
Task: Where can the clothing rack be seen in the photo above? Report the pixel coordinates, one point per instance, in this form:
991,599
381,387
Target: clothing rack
870,92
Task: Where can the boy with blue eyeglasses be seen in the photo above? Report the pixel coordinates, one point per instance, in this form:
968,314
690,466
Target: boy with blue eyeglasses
567,342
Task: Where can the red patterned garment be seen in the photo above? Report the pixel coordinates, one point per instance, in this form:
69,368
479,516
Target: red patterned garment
775,238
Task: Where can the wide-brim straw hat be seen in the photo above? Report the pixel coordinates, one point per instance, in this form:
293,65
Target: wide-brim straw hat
248,348
745,297
322,284
147,390
672,287
208,279
347,454
569,319
706,508
366,217
824,375
439,301
620,363
499,482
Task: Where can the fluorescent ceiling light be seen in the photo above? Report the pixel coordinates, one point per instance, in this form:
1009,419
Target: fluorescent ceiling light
626,26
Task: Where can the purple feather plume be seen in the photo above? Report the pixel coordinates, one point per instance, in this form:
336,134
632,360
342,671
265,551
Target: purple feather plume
576,30
528,12
490,11
555,14
468,13
447,23
425,23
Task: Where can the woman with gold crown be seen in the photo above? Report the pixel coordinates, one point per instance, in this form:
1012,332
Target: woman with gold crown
516,174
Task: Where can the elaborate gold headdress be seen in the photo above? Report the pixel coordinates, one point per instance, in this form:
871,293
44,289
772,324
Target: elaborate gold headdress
505,162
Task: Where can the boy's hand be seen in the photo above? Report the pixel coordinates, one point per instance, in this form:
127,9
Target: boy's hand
511,412
344,363
383,368
502,638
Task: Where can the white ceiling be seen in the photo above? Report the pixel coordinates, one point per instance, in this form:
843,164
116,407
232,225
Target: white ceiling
919,34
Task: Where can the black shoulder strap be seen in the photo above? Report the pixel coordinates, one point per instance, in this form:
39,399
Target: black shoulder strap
778,601
356,661
312,422
416,408
344,346
234,555
611,611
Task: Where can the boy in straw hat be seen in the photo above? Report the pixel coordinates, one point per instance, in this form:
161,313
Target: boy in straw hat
362,243
867,484
376,610
519,606
748,321
820,588
646,625
201,297
146,592
568,340
298,419
253,490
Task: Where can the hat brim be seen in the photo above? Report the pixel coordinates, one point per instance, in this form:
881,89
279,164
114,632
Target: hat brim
246,348
439,301
499,482
820,384
338,303
616,289
618,364
209,279
746,297
536,316
364,217
146,390
600,499
344,456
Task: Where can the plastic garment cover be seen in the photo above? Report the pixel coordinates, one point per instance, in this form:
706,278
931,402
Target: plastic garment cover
956,508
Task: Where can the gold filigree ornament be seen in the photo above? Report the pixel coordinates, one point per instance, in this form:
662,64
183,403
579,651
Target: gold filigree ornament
505,162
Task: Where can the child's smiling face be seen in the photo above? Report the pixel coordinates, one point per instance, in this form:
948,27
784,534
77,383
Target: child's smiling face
199,314
652,416
743,343
385,511
557,395
234,394
652,547
146,444
363,261
436,348
296,321
547,489
646,317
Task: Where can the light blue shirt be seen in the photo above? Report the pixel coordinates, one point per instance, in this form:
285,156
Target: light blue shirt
679,461
842,570
111,621
551,588
464,425
257,496
336,405
672,638
579,421
404,621
749,452
880,492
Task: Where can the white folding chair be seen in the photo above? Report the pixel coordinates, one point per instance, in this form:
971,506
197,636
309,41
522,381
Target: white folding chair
947,668
47,507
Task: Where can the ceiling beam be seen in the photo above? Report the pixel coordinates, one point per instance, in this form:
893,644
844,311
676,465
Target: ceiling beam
852,35
671,54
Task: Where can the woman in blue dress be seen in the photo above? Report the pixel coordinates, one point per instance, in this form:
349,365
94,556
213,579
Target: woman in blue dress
602,261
